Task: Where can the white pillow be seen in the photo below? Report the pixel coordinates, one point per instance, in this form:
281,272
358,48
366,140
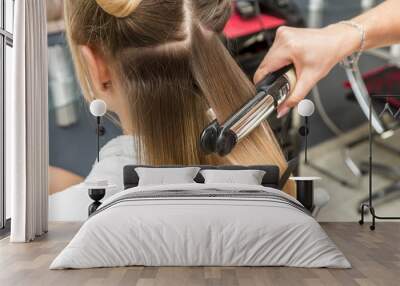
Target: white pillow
165,176
247,177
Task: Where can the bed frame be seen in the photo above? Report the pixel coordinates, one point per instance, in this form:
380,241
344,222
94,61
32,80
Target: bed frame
270,179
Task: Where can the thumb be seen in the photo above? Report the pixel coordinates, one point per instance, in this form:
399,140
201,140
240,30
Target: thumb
273,61
302,88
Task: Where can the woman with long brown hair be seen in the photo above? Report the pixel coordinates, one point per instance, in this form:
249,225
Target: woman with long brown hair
160,66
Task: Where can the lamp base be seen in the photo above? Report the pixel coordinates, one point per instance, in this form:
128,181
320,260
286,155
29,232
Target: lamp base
305,193
96,195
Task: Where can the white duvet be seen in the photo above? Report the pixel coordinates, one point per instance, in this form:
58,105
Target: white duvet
200,232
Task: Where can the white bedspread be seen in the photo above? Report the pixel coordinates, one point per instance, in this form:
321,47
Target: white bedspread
200,231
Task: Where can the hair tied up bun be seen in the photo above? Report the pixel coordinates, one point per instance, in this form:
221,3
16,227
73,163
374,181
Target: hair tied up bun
119,8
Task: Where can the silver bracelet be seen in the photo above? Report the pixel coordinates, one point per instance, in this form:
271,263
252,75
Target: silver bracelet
352,60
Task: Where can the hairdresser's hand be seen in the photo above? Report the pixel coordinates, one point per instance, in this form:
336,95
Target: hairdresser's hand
313,52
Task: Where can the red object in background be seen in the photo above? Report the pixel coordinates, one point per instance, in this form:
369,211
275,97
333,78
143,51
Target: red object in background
394,101
238,27
383,81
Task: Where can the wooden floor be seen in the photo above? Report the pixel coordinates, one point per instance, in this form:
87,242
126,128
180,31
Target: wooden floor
375,257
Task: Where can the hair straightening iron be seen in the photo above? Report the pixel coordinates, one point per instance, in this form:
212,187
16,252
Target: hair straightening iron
271,92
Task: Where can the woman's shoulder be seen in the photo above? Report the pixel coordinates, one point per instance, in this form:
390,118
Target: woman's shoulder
120,146
114,155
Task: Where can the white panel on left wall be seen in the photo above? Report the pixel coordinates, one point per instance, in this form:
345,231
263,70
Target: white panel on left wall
8,86
9,12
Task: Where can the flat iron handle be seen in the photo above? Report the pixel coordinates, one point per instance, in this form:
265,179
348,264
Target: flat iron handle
286,72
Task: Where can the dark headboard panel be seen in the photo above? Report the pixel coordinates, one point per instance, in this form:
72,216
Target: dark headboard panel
271,177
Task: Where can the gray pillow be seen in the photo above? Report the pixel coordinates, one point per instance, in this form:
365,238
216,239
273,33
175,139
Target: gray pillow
165,176
247,177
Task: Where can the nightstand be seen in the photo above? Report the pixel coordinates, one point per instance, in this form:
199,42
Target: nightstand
305,190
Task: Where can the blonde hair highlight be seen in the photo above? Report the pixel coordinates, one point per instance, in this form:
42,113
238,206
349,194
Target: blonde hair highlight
119,8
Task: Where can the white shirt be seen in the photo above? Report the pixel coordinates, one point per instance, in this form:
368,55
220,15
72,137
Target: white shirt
72,204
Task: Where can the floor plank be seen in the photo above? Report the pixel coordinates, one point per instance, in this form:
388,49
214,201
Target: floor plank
375,257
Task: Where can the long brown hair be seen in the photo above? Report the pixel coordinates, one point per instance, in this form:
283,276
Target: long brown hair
172,68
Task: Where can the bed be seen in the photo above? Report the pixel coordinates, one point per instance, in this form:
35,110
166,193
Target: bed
201,224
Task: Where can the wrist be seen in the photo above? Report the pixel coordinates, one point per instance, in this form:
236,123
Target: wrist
347,38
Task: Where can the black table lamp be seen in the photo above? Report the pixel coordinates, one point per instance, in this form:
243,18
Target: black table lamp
305,109
98,108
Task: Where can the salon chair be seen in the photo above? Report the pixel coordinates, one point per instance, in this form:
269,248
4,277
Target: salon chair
382,84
